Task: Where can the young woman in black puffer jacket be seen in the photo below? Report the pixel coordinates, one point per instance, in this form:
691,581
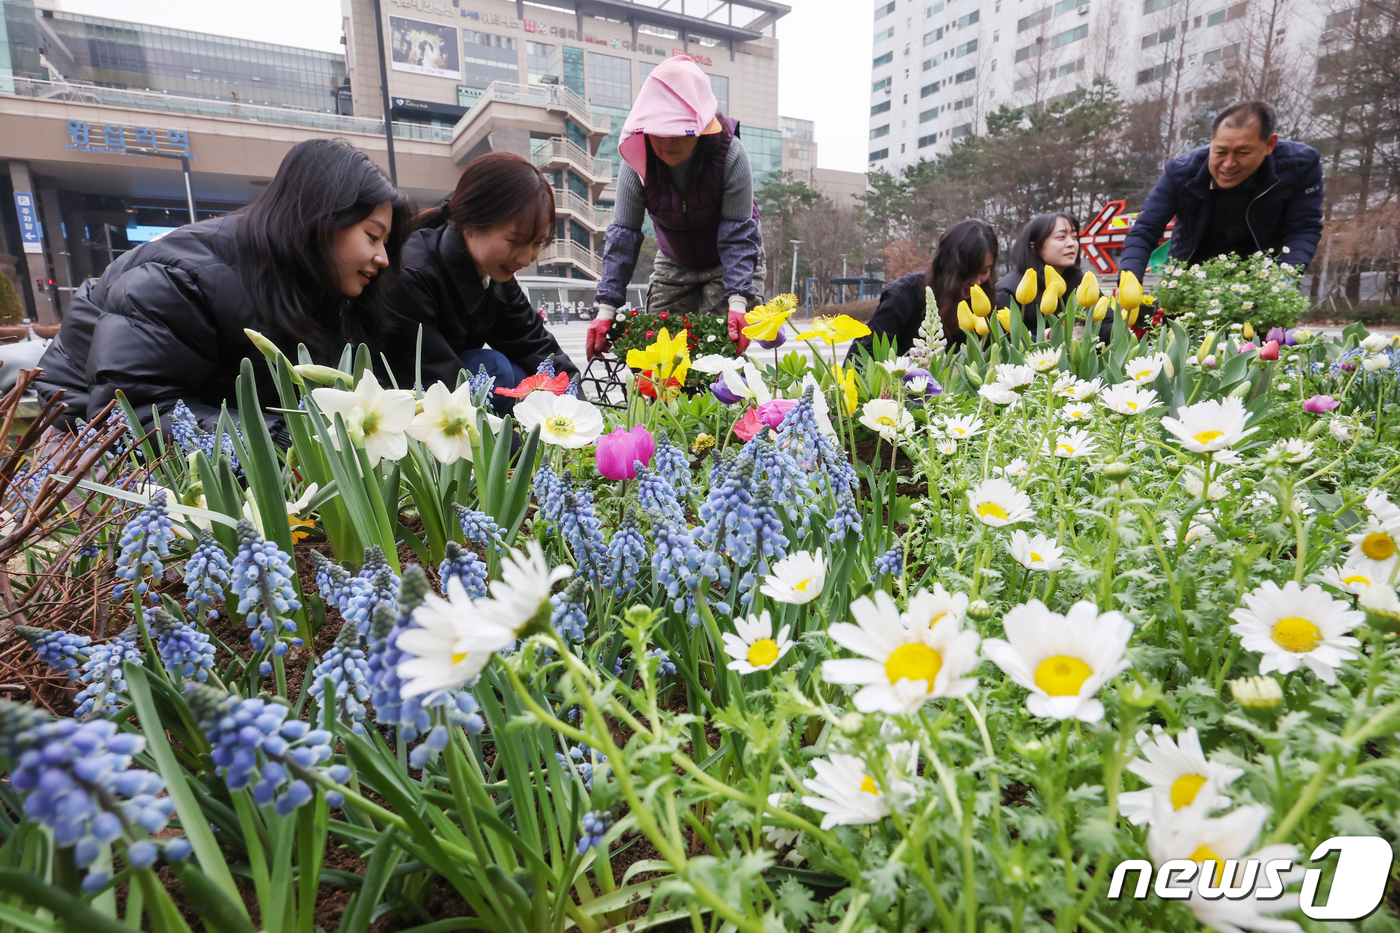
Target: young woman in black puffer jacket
307,262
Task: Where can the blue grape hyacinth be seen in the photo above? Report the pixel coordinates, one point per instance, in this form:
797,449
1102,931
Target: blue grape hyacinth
463,564
582,529
478,527
207,576
262,580
184,650
664,663
375,583
567,613
333,582
891,562
62,651
105,685
549,491
596,824
625,555
145,543
347,669
655,494
673,463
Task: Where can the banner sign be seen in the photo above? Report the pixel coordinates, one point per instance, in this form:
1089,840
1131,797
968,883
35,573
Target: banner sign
425,48
1108,230
30,232
124,140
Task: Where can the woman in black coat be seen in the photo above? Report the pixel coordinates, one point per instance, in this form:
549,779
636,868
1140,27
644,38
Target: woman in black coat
1047,239
458,280
965,256
307,262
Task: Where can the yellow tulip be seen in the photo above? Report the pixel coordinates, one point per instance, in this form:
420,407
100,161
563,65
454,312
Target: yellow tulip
1055,282
1004,318
1129,291
846,382
1248,331
1101,309
981,306
1204,351
1049,302
979,324
1088,291
965,317
1132,317
1029,285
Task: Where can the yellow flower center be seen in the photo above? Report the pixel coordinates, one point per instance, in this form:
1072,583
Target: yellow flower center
885,420
1067,448
459,656
763,652
1356,578
1205,854
1061,675
1185,788
993,510
959,431
558,424
1036,558
1205,437
1296,634
1131,406
802,586
1378,546
915,661
868,785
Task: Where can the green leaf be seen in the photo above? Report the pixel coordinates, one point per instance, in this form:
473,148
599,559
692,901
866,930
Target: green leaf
74,910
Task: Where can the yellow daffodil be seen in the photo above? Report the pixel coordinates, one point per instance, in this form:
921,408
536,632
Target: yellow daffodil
1248,331
979,324
965,318
833,330
1101,309
1049,302
846,382
1129,291
766,320
668,358
1004,318
981,305
1028,286
1088,291
1054,282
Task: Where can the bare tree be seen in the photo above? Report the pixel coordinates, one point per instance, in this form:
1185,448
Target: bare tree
831,238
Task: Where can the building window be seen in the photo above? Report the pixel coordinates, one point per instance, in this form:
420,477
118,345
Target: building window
882,11
928,89
1343,18
879,108
1069,35
542,62
1216,18
936,8
969,19
882,60
967,48
1034,20
928,115
931,37
963,77
879,154
886,34
1152,6
874,88
720,85
573,70
1221,54
802,174
1148,75
609,80
960,131
929,64
880,131
488,58
926,141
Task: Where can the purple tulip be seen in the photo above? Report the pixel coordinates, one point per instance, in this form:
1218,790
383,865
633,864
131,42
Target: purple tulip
772,413
772,344
921,383
1320,404
620,451
1276,335
720,390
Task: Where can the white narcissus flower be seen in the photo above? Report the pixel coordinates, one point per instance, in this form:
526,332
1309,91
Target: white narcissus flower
1211,425
1292,627
375,418
996,502
1127,398
1043,360
521,593
962,427
846,793
905,661
434,657
1063,660
887,418
1178,770
1075,444
446,423
1035,552
752,645
796,579
1194,836
564,421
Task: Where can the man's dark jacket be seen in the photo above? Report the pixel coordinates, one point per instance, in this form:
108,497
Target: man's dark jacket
164,323
1285,214
440,290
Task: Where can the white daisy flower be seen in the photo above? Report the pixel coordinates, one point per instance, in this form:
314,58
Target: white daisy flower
1228,458
1065,384
1256,692
1196,534
1035,552
962,427
1386,513
1016,467
1144,368
846,793
996,502
946,447
1014,376
1291,627
752,645
564,421
518,597
1077,443
1293,449
434,657
1077,413
998,393
1127,398
887,418
1211,425
1381,599
898,366
1194,836
1043,360
1349,578
780,836
1085,390
376,419
1194,482
1340,430
1178,770
906,661
1062,660
796,579
929,608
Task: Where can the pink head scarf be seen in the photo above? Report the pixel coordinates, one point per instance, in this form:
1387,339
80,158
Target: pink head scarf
675,100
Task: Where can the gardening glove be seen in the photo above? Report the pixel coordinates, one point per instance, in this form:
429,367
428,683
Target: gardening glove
596,342
738,305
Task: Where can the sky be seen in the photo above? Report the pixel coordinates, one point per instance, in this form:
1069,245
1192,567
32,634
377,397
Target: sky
823,73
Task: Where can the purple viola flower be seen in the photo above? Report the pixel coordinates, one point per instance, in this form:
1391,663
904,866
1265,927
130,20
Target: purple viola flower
776,342
721,391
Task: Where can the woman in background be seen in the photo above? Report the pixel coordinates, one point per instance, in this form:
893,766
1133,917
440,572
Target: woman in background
1046,240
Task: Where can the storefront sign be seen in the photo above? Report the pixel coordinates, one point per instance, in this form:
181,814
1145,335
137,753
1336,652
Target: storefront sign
698,59
29,230
125,140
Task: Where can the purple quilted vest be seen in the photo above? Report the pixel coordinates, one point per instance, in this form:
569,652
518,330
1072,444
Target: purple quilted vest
687,222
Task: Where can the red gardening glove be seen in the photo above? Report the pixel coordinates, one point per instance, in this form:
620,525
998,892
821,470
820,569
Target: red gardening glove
596,342
737,323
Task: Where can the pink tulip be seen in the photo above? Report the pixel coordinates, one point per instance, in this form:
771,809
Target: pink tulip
1320,404
1246,347
1269,351
747,426
620,451
769,413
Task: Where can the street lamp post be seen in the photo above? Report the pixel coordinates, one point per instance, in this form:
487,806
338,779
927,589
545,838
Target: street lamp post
792,288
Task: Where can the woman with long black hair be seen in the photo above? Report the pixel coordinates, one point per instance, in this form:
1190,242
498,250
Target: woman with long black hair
965,256
307,262
1046,240
458,282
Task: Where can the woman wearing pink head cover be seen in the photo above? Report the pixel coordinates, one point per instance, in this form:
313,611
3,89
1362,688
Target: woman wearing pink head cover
685,166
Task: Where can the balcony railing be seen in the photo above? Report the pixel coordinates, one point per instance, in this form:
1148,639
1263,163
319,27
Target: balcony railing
559,149
566,200
548,96
154,102
566,250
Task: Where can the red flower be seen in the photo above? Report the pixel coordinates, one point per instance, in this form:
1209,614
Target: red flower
558,385
651,334
647,387
664,315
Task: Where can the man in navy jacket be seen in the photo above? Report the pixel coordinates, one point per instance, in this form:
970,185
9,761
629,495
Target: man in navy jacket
1246,191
